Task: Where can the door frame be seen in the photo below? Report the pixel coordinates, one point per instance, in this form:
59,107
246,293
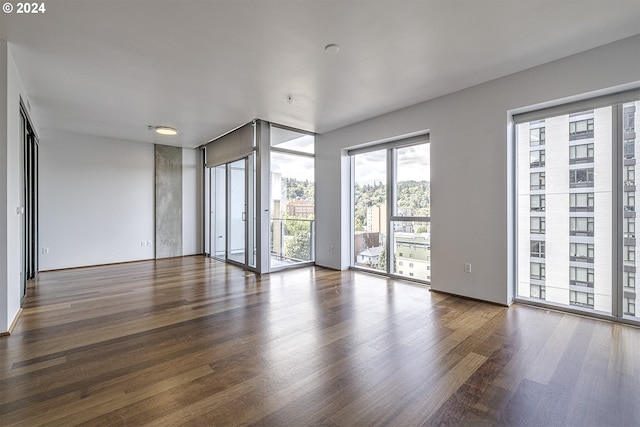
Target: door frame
248,212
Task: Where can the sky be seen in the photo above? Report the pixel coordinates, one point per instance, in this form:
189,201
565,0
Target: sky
292,166
414,163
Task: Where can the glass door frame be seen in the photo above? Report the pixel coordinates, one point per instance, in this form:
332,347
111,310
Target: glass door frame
29,239
213,219
233,208
248,213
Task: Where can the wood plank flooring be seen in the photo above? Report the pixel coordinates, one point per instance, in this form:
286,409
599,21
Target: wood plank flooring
192,341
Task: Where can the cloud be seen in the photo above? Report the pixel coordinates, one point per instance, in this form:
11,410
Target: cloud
292,166
413,163
371,167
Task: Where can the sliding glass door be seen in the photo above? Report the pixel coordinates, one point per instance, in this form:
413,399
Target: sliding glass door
391,209
24,228
232,219
237,219
28,208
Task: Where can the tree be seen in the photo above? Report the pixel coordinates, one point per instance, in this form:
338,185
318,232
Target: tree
297,239
295,189
298,246
382,259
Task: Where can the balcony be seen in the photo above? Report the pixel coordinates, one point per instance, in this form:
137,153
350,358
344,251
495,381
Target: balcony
292,241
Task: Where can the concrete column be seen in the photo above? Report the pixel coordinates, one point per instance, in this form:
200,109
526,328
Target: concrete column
168,206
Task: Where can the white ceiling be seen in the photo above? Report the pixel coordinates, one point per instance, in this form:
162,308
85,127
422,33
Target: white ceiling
112,68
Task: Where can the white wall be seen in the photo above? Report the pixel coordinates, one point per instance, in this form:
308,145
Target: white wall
471,204
15,90
11,89
4,282
96,200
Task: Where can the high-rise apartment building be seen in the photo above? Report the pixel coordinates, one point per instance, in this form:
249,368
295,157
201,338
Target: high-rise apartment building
376,220
631,118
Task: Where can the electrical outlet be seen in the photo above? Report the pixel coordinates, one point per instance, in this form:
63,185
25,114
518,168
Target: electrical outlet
467,267
149,242
45,251
142,242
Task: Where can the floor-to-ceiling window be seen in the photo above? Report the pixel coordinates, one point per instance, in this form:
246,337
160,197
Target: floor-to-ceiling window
259,197
410,225
292,221
391,208
576,212
370,210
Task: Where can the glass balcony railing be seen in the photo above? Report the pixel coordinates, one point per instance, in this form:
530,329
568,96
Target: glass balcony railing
292,241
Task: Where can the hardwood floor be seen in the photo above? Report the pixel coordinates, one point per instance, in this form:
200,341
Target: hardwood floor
192,341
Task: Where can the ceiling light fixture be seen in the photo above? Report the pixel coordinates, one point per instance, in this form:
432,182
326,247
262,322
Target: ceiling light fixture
332,48
164,130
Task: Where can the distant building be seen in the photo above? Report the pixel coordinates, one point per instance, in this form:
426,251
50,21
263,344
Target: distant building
276,194
363,240
376,220
413,254
370,257
300,208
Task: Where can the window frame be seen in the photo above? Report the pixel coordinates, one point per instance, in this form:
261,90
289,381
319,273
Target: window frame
589,274
629,279
537,249
576,133
542,270
629,149
575,182
581,225
541,226
589,250
538,162
540,180
588,158
393,215
541,204
573,298
623,149
541,137
574,206
629,174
